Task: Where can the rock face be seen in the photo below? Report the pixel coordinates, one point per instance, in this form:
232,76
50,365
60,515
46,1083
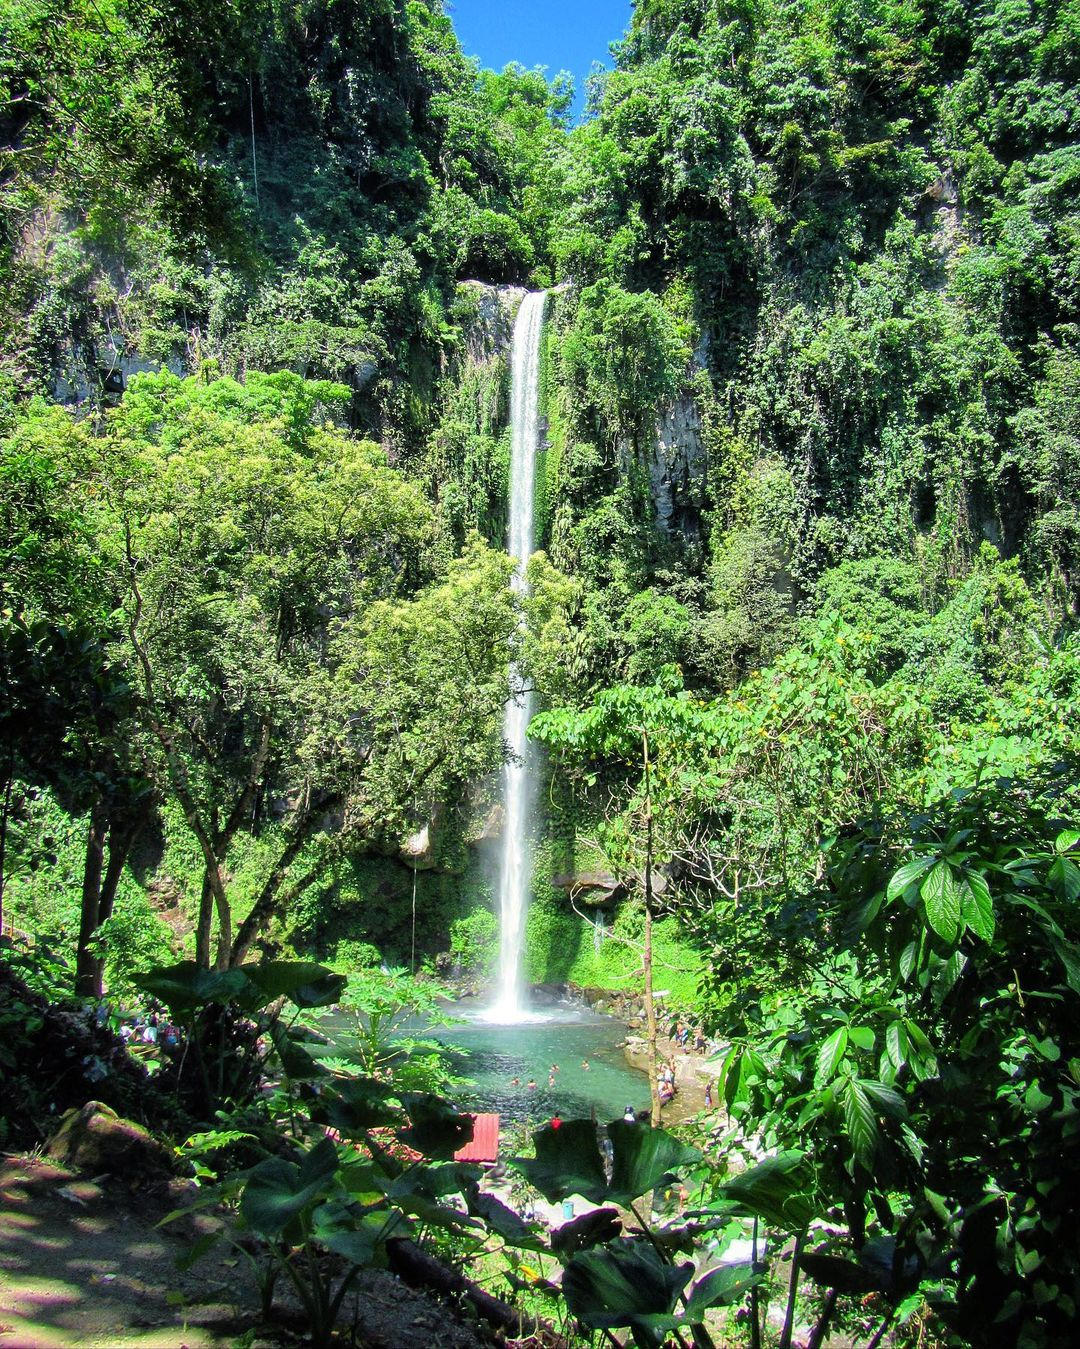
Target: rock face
592,888
676,465
112,369
97,1140
676,461
418,850
488,332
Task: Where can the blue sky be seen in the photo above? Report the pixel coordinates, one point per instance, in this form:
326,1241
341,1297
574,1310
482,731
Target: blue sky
560,34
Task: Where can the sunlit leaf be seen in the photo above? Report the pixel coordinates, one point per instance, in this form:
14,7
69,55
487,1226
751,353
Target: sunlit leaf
645,1159
830,1055
941,898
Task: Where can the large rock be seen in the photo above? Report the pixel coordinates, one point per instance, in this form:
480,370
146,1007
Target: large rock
677,465
97,1140
593,888
488,331
418,850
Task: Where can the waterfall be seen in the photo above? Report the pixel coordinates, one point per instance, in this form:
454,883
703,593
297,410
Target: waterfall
519,774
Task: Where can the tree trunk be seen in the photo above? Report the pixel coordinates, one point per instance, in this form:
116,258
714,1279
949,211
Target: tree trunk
85,964
224,913
4,815
646,957
205,923
421,1270
269,902
120,844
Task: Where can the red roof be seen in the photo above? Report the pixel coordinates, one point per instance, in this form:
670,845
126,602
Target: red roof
485,1141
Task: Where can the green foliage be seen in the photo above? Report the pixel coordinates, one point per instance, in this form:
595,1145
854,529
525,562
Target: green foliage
622,357
382,1005
926,1075
884,597
474,942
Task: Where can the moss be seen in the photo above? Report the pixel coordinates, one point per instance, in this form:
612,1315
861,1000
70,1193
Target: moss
561,946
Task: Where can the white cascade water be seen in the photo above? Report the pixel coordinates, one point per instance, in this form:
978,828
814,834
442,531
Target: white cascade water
519,774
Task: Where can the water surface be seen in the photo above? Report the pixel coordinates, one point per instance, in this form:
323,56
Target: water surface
494,1055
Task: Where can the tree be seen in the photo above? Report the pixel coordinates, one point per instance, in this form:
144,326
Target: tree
927,1066
67,706
268,558
652,729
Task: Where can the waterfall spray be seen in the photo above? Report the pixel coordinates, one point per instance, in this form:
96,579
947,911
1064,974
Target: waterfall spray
519,775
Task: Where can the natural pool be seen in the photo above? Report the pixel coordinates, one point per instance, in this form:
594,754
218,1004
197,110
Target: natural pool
492,1055
564,1034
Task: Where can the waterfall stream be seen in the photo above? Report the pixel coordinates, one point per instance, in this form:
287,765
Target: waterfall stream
519,774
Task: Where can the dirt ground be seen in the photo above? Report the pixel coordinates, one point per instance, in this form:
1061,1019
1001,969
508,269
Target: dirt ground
82,1264
76,1271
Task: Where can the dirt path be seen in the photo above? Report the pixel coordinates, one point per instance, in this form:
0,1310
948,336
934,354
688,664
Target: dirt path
82,1267
76,1270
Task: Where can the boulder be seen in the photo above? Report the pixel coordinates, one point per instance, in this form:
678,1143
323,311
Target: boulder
97,1140
593,888
418,850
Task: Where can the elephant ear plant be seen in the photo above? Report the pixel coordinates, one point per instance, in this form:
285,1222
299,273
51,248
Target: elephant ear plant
232,1020
319,1208
613,1277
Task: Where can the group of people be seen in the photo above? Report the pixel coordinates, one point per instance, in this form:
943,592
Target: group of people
150,1029
553,1073
681,1033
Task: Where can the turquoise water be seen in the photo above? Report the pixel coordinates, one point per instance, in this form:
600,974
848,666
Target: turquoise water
493,1055
566,1034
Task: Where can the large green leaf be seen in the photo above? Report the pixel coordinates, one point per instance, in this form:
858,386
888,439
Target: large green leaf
296,1062
590,1229
721,1287
940,895
278,1191
1069,954
436,1128
434,1182
781,1190
908,873
1067,839
885,1099
567,1162
896,1043
645,1159
830,1271
358,1104
622,1284
830,1055
860,1120
1064,877
977,907
303,982
186,988
358,1239
319,1163
499,1218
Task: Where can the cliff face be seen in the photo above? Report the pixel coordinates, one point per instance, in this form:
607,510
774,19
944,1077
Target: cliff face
489,330
674,460
677,462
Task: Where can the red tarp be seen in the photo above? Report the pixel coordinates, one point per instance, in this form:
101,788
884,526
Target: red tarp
485,1141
